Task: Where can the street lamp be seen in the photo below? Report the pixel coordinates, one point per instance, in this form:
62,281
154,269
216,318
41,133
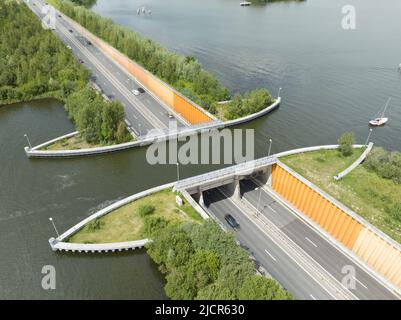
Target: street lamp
270,147
370,133
140,130
178,171
27,139
54,226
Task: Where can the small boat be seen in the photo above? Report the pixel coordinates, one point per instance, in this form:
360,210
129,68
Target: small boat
381,120
245,3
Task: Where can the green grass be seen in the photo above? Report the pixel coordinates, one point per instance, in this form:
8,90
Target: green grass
73,143
125,223
362,190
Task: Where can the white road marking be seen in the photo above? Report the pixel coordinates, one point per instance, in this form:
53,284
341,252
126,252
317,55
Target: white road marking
271,208
311,242
313,297
270,255
360,282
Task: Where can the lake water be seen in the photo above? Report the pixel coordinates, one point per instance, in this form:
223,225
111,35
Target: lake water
333,81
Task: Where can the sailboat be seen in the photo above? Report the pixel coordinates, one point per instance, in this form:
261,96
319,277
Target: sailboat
381,120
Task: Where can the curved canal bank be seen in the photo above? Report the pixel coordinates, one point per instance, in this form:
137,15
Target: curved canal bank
38,152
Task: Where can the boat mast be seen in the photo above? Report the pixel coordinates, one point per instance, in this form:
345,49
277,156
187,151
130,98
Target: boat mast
385,108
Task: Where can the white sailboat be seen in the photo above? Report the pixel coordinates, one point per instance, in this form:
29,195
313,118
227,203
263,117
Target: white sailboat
381,120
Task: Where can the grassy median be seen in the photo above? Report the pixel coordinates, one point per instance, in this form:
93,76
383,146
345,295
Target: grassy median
127,223
362,190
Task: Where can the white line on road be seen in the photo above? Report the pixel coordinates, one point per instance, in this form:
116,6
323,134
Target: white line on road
270,255
360,282
271,208
313,297
311,242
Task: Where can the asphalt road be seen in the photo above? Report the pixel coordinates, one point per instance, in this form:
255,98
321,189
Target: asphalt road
144,112
277,260
274,259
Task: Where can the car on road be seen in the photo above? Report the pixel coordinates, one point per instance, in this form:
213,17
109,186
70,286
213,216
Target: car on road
70,31
170,116
231,221
59,15
88,43
69,47
138,91
81,61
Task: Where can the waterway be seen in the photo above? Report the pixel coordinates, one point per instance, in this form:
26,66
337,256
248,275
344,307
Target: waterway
333,81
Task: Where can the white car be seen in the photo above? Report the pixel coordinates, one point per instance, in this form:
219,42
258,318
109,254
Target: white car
69,47
136,92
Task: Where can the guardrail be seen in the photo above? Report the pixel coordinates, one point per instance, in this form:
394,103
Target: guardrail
158,136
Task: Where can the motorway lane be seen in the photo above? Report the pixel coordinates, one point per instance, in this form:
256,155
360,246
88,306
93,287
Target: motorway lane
114,81
316,246
281,267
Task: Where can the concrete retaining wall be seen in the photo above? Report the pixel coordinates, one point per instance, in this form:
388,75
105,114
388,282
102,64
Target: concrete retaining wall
184,132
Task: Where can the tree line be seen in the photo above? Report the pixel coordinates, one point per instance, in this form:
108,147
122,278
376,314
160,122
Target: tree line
201,261
34,63
184,73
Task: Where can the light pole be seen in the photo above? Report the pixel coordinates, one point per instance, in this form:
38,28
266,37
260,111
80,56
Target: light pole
270,147
54,226
367,140
27,139
178,171
140,130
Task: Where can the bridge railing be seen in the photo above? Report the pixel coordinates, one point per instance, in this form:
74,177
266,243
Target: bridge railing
239,169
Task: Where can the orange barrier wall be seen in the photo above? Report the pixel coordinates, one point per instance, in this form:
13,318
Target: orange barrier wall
170,97
370,246
331,218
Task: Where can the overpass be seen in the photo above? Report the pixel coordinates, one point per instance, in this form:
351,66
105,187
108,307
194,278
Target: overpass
306,256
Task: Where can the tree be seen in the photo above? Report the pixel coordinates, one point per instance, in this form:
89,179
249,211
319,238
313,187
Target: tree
171,248
215,291
346,144
184,282
260,288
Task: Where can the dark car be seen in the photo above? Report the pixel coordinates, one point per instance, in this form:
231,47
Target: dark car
231,221
81,61
141,90
70,31
88,43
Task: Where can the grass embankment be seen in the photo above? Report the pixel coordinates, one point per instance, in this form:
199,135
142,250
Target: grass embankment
127,223
362,190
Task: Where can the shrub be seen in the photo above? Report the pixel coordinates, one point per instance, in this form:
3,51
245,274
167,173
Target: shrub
153,225
386,164
94,225
346,142
145,210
